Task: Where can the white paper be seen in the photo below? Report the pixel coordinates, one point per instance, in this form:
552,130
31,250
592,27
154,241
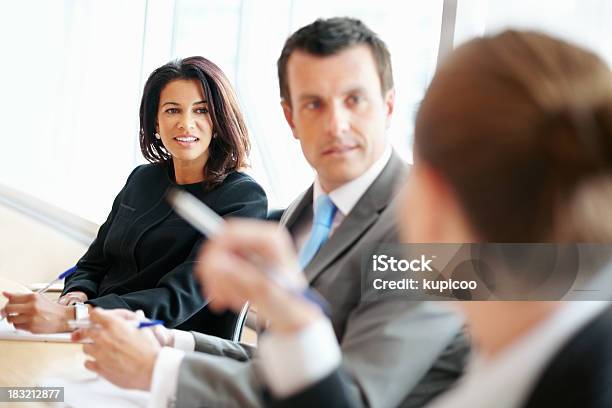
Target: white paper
8,332
96,392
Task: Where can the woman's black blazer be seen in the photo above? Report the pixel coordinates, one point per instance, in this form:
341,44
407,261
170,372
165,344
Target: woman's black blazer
143,255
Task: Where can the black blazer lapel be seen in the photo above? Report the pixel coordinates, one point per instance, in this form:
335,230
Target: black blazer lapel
156,186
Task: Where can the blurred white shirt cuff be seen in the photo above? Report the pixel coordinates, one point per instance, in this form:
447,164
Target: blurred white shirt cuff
183,340
292,362
165,377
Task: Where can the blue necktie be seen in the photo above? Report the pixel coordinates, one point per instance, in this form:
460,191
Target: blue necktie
321,227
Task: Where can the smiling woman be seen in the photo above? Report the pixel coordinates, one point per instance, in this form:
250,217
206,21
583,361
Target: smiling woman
193,133
191,96
184,128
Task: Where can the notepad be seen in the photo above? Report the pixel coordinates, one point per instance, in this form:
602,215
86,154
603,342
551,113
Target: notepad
8,332
96,392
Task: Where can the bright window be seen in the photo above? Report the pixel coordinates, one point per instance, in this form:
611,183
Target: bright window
586,22
73,72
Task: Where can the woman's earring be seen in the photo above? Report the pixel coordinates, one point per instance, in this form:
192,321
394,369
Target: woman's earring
157,136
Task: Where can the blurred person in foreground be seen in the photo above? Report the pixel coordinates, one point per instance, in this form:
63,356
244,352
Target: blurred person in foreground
513,144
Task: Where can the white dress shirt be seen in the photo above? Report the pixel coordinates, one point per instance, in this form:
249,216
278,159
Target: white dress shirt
505,380
166,370
344,197
287,363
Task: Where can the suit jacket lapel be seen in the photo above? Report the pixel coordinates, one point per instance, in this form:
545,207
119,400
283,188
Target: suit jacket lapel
351,229
361,218
296,210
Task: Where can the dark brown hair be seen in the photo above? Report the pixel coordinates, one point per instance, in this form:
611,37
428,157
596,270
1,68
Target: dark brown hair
520,124
327,37
227,151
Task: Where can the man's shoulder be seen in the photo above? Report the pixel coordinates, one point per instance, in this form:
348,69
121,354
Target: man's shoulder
378,197
382,195
580,373
296,207
392,177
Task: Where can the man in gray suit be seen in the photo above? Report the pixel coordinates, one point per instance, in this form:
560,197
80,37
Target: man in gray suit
338,97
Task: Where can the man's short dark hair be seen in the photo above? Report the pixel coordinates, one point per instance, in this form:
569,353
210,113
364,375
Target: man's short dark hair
327,37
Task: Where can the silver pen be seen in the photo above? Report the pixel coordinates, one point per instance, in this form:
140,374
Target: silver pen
209,223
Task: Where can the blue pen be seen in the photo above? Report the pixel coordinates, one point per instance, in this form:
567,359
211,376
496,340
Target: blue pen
149,323
61,277
86,324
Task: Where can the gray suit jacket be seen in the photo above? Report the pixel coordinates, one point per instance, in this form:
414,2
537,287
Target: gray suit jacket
394,352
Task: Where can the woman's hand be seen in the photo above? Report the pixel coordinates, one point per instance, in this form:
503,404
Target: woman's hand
71,298
36,313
